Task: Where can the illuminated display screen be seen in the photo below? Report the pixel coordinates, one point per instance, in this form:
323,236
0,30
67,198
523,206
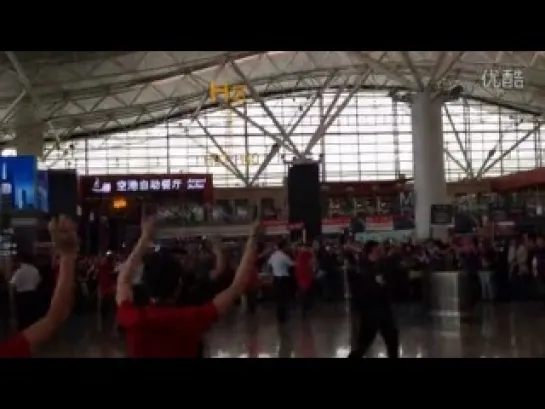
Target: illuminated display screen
92,186
18,181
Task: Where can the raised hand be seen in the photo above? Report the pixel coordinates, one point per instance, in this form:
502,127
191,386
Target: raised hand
148,225
257,229
64,235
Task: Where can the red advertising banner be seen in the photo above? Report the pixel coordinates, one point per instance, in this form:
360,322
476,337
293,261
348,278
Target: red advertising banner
334,225
379,223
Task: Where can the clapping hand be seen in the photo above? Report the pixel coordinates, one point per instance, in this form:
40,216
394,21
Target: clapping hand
64,235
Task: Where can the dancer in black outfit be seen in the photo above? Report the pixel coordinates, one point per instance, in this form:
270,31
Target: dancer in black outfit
372,306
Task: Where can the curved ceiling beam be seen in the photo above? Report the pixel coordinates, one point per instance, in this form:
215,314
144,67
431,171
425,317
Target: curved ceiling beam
268,95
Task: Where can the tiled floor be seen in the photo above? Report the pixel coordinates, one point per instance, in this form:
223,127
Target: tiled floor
516,330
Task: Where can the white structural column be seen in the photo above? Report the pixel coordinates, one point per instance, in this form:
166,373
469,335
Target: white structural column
29,131
430,186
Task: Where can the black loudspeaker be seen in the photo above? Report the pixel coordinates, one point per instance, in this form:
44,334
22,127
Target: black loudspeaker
304,201
63,192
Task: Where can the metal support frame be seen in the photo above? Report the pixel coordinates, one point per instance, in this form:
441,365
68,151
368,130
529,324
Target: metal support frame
130,78
195,97
24,81
224,159
395,125
277,146
272,153
445,150
323,176
381,68
537,148
11,108
444,65
468,168
246,146
499,144
327,121
286,141
506,153
417,77
247,118
279,142
468,146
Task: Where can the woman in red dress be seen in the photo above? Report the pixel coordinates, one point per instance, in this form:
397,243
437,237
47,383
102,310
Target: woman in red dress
304,275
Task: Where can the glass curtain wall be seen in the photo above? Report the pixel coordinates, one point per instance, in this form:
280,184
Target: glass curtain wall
370,140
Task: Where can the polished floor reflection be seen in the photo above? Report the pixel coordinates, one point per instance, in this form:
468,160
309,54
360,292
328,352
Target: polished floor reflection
506,330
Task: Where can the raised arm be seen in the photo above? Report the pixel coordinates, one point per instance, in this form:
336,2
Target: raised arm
220,259
242,276
65,240
130,266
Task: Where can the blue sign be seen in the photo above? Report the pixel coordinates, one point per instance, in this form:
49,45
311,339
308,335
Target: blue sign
42,191
18,181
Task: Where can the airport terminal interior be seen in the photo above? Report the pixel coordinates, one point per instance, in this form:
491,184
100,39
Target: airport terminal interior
346,203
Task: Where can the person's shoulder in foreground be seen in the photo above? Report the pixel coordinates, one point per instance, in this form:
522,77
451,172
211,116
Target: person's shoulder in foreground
23,344
194,317
17,346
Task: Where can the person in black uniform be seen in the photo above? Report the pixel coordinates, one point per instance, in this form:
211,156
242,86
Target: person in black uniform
371,305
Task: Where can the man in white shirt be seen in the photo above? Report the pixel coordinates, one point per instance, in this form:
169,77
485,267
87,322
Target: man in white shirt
24,294
279,264
26,278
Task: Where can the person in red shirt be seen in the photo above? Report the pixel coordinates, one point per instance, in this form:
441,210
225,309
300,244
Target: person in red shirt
162,330
304,275
23,344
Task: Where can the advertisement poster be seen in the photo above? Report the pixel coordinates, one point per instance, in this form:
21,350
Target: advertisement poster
18,181
441,215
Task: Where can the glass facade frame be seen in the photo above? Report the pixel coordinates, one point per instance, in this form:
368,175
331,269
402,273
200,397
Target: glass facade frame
370,140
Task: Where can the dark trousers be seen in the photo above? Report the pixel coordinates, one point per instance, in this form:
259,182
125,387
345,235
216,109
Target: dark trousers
107,306
370,321
523,287
283,288
540,290
307,299
251,301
